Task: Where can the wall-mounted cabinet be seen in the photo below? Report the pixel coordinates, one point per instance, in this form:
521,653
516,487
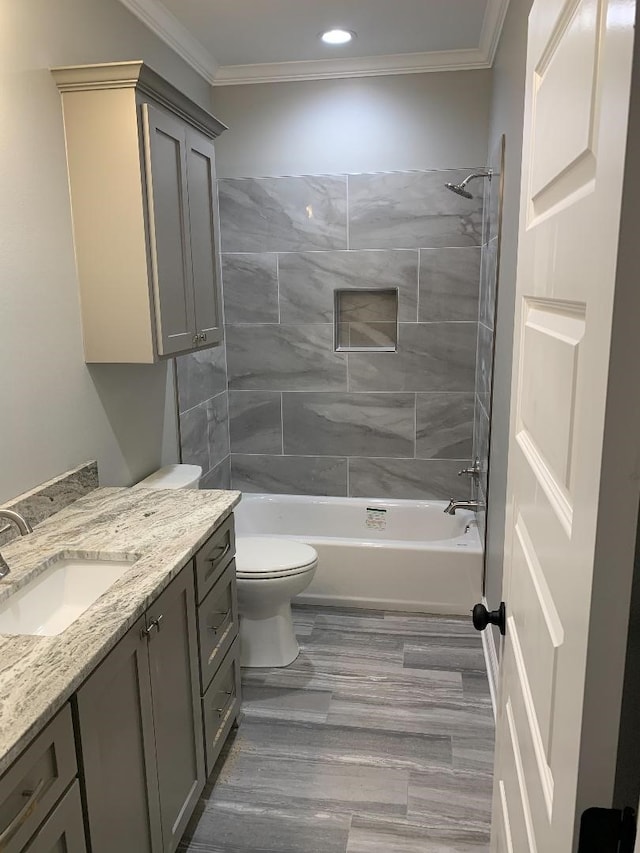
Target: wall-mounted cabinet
142,181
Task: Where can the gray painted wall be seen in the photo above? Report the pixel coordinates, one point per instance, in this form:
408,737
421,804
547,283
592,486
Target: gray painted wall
375,124
57,412
507,109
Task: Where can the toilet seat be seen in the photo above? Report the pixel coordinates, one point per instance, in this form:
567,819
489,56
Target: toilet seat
264,557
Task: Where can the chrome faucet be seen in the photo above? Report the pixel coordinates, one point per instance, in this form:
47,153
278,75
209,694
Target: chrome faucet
474,506
23,526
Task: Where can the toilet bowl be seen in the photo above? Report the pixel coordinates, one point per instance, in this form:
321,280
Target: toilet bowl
270,571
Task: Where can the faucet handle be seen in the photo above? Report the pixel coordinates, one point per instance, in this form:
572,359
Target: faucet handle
473,472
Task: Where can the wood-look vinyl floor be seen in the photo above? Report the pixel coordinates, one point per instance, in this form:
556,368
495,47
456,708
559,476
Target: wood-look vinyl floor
377,739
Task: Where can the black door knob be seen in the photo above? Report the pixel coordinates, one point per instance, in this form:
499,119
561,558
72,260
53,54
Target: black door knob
483,617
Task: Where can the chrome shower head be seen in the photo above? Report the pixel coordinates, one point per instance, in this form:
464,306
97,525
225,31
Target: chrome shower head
461,188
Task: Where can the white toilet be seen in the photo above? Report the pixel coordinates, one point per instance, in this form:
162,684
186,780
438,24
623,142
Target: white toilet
270,572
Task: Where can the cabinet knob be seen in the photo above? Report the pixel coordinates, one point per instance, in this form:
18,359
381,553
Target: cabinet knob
195,339
203,336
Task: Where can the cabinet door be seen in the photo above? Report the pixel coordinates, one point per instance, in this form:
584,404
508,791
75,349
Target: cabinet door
63,830
173,660
170,252
203,228
118,752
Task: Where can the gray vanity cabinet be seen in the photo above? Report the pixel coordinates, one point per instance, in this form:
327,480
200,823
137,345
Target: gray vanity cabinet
140,723
115,721
177,714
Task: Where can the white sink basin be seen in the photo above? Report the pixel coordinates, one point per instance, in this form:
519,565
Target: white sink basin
55,598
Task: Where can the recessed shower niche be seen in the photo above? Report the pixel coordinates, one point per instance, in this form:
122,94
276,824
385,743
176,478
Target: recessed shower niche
366,320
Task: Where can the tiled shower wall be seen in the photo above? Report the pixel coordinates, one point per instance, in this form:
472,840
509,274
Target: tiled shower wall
304,418
486,324
204,415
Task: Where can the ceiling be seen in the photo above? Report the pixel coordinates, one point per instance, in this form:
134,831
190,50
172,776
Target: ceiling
248,41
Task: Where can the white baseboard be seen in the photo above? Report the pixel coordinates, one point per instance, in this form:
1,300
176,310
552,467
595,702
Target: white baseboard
493,667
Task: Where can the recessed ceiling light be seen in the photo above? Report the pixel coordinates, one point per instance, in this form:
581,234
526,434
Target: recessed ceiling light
337,36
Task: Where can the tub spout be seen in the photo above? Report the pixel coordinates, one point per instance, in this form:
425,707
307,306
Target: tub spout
474,506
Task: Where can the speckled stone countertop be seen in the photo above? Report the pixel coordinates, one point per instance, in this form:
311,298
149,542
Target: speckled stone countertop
163,527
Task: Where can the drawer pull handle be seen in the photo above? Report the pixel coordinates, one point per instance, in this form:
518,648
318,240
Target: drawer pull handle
145,633
225,615
23,815
220,711
218,557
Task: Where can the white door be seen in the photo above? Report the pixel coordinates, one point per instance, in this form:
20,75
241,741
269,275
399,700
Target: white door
574,445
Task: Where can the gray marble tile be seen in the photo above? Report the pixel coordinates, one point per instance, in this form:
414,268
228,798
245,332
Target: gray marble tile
419,479
481,442
343,744
218,428
201,375
426,717
484,366
218,477
308,281
398,835
194,436
448,797
430,357
233,826
255,421
50,497
406,210
449,284
284,358
250,287
289,475
281,703
329,424
461,654
488,283
473,753
444,425
367,306
341,788
289,214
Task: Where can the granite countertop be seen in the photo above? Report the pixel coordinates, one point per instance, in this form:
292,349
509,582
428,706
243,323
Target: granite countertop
163,527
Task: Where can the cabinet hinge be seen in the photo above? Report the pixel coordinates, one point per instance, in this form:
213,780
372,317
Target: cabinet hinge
607,831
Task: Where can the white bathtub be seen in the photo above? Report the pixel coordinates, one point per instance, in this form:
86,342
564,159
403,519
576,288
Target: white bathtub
394,555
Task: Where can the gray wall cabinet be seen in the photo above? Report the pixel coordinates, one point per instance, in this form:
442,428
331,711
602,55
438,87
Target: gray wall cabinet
142,183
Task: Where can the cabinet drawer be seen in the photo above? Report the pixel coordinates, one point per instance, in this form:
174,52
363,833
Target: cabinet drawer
63,830
214,556
217,624
221,704
32,785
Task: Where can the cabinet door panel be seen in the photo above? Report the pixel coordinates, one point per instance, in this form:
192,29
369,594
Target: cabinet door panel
166,180
203,229
221,704
217,624
118,761
173,658
63,831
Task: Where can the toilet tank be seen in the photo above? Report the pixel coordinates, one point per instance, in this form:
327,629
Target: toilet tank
173,477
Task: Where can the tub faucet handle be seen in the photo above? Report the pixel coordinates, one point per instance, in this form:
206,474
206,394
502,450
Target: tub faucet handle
473,471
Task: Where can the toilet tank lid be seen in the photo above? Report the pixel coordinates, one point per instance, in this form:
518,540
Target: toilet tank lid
173,477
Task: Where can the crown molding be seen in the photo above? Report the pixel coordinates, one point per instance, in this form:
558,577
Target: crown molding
365,66
166,26
492,24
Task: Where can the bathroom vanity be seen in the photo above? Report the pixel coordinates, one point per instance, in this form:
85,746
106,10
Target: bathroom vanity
109,729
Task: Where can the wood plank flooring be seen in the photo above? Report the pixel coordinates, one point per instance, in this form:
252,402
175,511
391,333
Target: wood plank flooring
377,739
